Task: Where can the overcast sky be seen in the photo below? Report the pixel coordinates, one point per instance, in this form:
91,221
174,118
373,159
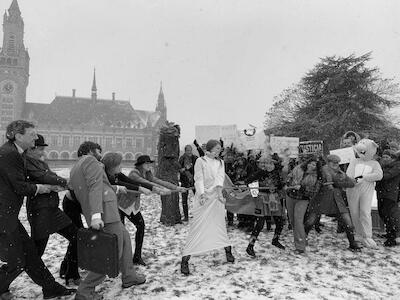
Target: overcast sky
221,62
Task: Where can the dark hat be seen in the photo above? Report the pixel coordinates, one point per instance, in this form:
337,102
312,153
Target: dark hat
143,159
40,141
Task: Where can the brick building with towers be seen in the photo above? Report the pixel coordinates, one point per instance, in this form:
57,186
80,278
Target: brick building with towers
69,120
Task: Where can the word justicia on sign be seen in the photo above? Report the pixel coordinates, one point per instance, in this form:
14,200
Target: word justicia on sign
311,147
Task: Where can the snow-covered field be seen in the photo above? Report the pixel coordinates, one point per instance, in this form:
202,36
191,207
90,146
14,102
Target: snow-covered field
328,271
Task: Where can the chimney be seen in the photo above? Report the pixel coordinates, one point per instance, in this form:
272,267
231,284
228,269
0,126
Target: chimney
113,96
73,93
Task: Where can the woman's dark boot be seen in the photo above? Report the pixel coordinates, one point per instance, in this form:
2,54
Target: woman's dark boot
276,243
229,256
250,247
185,265
354,246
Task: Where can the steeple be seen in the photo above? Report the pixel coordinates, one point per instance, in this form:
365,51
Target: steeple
161,106
14,8
94,87
161,100
13,29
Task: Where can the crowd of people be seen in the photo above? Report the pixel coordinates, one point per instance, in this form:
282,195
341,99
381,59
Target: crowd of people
290,190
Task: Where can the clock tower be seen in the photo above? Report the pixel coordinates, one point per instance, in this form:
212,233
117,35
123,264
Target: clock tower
14,66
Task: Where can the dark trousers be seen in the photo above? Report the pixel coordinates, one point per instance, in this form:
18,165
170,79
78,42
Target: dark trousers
260,225
185,206
19,251
389,212
71,257
138,221
312,217
229,216
73,210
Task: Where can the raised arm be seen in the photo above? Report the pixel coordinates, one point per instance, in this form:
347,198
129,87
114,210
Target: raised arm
41,174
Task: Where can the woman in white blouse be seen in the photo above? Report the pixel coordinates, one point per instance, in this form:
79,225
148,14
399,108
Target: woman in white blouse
208,229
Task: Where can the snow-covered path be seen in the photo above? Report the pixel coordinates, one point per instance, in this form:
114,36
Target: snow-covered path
329,271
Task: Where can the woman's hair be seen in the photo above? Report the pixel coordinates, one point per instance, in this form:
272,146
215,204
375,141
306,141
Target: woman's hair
318,167
211,144
111,160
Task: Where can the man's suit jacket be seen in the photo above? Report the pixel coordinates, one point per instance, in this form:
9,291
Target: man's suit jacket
39,172
13,186
92,189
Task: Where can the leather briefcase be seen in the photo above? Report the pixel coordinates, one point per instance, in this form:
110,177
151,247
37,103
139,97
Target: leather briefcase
98,252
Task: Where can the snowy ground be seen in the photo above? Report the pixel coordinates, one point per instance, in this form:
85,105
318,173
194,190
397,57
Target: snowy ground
328,271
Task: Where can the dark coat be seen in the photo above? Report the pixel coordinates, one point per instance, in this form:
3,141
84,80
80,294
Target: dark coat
13,186
44,216
388,187
187,176
329,201
39,172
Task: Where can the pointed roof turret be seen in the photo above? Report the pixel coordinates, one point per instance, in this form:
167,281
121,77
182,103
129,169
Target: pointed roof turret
94,87
14,8
161,100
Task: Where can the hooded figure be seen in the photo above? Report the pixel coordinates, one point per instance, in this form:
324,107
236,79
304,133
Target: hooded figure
366,171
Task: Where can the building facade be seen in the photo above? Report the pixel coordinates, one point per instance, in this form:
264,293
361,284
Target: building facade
69,120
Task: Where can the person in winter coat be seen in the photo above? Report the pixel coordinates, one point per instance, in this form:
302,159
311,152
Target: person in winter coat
44,216
330,200
186,162
304,183
387,193
129,206
268,176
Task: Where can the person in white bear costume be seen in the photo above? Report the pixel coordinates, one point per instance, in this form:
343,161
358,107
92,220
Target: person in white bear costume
366,171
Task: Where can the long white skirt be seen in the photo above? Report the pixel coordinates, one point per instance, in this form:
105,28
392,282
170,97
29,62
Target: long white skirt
207,230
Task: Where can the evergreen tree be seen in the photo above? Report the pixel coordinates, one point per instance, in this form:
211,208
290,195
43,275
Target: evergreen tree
337,95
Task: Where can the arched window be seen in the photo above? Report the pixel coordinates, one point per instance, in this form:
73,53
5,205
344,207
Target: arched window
138,154
15,62
74,155
9,61
64,155
53,155
129,156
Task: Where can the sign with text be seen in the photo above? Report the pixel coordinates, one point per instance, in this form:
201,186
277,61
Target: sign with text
282,145
311,147
345,154
228,133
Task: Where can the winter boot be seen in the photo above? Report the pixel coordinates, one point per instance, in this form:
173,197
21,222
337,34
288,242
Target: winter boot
390,243
250,247
354,246
276,243
229,256
185,265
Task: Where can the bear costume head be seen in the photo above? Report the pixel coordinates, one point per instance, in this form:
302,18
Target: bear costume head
366,149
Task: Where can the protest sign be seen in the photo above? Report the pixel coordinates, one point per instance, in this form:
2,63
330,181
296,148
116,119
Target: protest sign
345,154
284,146
311,147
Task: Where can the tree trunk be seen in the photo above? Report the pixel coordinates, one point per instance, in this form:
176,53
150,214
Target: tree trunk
168,170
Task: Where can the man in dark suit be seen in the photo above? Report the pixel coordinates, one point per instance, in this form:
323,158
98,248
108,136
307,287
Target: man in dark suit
98,200
16,247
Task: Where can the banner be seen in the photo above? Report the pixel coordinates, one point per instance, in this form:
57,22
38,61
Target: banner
228,133
284,146
254,142
311,147
345,154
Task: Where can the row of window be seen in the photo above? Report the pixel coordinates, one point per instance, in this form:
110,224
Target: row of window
66,155
108,142
8,61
